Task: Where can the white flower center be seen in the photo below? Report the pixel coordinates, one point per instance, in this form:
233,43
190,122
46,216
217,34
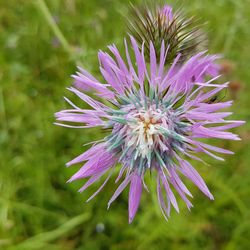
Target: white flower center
144,133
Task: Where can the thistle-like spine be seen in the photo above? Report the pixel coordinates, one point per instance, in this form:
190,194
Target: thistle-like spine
181,35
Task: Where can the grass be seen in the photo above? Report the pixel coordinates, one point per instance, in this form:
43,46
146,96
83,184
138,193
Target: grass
38,209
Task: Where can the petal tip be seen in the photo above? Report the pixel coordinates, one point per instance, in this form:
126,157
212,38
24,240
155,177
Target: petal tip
130,220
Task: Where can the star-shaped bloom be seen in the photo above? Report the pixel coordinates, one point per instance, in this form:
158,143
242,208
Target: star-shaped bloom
157,117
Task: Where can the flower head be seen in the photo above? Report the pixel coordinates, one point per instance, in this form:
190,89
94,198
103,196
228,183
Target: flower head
158,23
156,116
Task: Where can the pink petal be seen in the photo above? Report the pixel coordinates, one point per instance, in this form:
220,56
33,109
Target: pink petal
134,196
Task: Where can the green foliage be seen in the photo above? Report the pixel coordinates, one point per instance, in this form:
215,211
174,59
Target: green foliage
38,210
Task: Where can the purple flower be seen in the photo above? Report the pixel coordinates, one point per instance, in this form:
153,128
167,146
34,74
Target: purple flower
157,116
167,12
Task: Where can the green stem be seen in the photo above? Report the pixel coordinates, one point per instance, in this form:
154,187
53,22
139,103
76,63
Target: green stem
54,27
39,241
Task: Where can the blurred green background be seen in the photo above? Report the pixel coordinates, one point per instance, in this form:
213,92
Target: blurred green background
38,210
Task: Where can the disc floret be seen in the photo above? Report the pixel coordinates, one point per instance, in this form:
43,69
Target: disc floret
147,134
